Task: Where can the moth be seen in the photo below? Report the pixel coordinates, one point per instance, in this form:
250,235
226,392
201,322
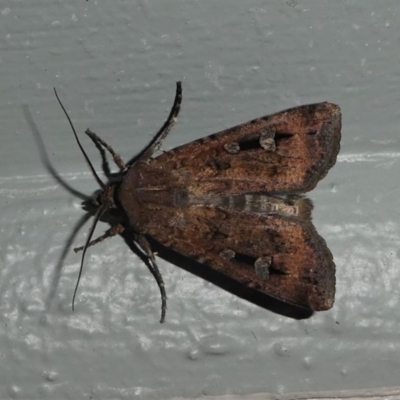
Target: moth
232,200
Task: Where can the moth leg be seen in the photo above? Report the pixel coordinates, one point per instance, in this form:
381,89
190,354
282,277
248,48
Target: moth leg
104,161
155,144
145,246
98,141
114,230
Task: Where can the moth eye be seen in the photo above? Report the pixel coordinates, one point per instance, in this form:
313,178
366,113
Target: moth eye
312,132
232,147
261,267
228,254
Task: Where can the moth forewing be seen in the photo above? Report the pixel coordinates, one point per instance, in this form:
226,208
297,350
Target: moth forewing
230,201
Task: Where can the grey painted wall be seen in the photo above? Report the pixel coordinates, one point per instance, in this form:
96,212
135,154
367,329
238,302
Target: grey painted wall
115,64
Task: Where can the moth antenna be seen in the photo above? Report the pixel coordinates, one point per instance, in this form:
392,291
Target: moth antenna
97,216
104,161
99,181
163,132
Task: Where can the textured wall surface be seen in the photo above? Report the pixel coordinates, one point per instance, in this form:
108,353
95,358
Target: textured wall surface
115,64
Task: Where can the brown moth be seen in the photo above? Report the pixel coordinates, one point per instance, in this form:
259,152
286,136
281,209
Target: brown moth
233,201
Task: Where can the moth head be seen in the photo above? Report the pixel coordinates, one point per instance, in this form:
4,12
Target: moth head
106,201
102,198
